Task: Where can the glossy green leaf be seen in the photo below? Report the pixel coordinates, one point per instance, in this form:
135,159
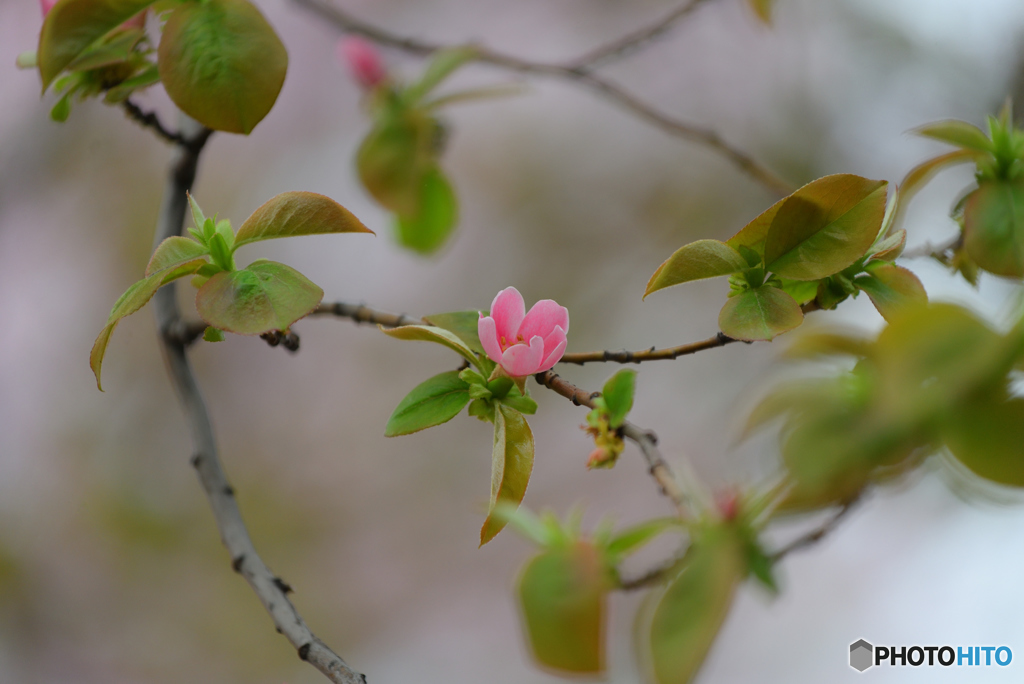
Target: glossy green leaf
262,297
222,63
72,26
134,298
393,159
892,289
511,465
431,403
618,396
987,436
825,227
292,214
994,227
959,133
441,66
463,324
173,251
562,593
429,333
696,261
427,229
694,606
760,313
632,539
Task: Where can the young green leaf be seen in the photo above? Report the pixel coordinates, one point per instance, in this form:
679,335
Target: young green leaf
987,436
892,289
562,594
134,298
923,172
297,213
890,248
825,227
760,313
463,324
632,539
441,65
429,333
262,297
429,227
511,465
73,26
529,525
695,605
222,63
431,403
213,335
394,157
994,227
173,251
618,396
119,93
959,133
114,49
696,261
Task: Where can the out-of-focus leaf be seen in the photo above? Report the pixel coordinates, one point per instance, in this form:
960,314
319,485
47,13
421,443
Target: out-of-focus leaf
994,227
463,324
824,227
297,213
262,297
116,48
763,9
429,333
441,65
696,261
618,396
72,26
891,247
222,63
529,525
431,403
562,595
892,289
436,215
134,298
148,77
959,133
760,313
812,345
511,465
987,436
173,251
393,159
632,539
923,172
213,335
694,606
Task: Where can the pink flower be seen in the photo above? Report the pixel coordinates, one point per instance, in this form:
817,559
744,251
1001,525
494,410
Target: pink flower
363,60
523,343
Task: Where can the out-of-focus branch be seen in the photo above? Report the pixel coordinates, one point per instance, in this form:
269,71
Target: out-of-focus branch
815,535
270,589
152,121
576,72
939,252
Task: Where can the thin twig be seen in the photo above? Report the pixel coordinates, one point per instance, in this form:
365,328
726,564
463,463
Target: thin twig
655,575
652,354
572,72
815,535
363,314
270,589
152,121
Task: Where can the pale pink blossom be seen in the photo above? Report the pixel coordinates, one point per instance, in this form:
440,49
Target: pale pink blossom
523,343
363,61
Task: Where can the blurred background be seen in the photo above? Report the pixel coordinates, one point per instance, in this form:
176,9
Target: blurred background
111,570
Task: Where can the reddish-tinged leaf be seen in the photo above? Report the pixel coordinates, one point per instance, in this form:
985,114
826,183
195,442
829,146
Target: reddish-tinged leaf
297,213
994,227
892,289
696,261
959,133
173,251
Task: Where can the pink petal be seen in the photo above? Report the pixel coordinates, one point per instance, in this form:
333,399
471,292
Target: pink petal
552,358
508,310
488,332
520,359
556,337
542,319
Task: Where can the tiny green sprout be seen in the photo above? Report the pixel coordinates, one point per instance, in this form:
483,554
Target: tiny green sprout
605,421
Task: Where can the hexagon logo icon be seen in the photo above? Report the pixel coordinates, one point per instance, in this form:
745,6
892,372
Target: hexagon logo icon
861,653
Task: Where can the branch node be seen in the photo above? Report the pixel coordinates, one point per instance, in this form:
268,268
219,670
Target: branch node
304,651
236,564
228,490
283,586
196,461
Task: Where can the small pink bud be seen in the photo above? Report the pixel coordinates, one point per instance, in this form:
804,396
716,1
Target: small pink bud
523,343
363,61
728,503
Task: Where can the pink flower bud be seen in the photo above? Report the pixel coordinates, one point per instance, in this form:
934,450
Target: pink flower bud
46,6
727,501
523,343
363,61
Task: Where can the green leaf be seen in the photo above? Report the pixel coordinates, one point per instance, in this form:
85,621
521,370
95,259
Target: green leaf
149,77
618,396
173,251
116,48
562,593
520,403
696,261
427,229
923,172
892,289
62,110
213,335
134,298
763,9
463,324
291,214
994,227
441,65
431,403
394,158
222,63
695,605
760,313
802,291
987,436
959,133
72,26
262,297
511,465
890,248
529,525
825,227
632,539
428,333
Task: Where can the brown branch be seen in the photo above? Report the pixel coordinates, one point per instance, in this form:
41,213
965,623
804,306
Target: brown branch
652,354
815,535
574,72
152,121
363,314
270,589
